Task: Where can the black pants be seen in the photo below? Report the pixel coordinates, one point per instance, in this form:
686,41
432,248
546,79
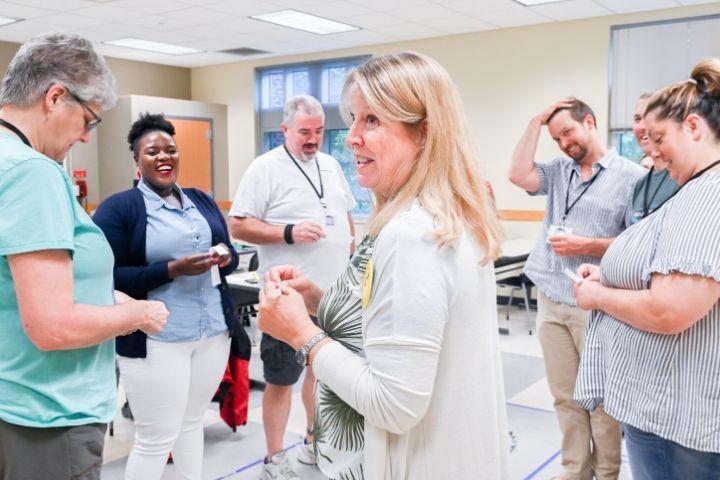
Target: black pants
61,453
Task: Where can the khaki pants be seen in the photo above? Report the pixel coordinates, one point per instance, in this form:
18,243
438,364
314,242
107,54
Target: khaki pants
590,442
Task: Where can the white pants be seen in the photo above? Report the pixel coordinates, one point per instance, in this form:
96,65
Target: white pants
169,391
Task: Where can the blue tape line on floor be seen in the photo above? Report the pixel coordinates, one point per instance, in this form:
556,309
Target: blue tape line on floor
257,462
542,466
529,408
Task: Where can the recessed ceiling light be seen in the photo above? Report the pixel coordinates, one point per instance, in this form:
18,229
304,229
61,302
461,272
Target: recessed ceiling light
153,46
8,20
305,22
530,3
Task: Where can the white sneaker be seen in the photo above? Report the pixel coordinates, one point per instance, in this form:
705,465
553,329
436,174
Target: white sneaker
306,453
278,468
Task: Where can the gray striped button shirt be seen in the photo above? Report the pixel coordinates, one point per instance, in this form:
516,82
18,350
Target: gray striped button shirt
668,385
600,213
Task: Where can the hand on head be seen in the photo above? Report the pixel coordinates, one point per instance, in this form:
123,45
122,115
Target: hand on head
547,113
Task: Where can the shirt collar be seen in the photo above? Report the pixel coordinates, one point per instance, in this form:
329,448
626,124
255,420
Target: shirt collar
157,202
607,161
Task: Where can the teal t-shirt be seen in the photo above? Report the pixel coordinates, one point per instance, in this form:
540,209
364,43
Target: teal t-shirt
655,188
39,212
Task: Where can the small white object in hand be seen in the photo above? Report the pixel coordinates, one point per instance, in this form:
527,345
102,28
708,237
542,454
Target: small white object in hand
573,276
219,249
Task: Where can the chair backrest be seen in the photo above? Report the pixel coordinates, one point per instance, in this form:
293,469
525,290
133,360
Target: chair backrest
254,264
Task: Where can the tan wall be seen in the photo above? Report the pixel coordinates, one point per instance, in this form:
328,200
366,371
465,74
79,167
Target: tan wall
136,78
504,76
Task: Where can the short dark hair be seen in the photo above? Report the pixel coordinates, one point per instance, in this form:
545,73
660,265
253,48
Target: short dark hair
146,123
578,111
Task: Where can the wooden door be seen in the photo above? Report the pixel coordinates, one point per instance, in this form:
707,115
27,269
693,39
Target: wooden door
194,141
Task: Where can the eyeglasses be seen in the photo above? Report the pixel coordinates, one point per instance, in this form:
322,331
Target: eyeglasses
96,119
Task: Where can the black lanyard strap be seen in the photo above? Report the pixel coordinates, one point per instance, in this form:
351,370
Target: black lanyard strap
698,174
321,193
646,202
567,194
16,131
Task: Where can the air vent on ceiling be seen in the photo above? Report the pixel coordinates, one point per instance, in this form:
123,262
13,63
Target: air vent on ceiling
244,51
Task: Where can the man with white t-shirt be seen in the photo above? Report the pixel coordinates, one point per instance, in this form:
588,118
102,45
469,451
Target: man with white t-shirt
294,203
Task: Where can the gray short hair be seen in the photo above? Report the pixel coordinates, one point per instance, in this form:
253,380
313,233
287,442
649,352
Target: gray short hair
309,105
57,58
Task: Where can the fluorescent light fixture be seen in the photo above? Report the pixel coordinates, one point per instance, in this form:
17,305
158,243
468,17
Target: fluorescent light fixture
8,20
305,22
530,3
153,46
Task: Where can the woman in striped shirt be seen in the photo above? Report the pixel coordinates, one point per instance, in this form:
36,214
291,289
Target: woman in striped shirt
652,351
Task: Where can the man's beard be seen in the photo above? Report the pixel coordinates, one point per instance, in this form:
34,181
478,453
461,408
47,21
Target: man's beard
579,154
307,158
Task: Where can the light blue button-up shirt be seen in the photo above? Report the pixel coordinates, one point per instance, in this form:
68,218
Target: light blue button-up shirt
193,302
600,213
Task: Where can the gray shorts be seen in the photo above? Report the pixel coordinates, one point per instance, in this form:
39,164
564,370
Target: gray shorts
59,453
279,364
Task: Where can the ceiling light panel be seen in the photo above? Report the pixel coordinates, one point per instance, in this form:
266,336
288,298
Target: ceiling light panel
157,47
305,22
8,20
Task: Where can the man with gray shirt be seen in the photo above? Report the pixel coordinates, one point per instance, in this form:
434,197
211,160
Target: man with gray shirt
587,198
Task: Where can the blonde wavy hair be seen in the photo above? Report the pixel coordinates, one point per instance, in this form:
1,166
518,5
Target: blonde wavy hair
415,90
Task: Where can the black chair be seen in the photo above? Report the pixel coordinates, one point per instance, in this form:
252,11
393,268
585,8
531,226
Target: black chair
508,270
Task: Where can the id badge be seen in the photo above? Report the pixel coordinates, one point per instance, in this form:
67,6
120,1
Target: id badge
329,220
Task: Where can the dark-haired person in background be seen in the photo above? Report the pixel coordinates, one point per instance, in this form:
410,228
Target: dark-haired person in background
653,344
587,199
652,190
161,236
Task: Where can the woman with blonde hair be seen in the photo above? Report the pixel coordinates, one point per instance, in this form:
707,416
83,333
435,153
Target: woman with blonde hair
652,349
406,351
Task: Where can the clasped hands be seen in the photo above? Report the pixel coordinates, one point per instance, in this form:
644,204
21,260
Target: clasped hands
586,292
286,302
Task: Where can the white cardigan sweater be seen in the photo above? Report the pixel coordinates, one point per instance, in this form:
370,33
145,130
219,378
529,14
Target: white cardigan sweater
430,385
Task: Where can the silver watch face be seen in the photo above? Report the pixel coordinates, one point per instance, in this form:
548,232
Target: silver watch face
301,357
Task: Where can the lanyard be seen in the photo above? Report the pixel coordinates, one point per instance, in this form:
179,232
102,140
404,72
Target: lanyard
320,194
567,194
16,131
698,174
646,202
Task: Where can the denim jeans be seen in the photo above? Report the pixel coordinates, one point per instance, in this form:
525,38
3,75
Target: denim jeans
655,458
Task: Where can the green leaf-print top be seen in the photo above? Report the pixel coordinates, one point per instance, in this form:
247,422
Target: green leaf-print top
339,429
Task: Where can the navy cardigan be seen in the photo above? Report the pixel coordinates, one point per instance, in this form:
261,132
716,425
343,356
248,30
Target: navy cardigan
123,219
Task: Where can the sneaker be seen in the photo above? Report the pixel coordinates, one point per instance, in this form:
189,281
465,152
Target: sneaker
306,453
278,468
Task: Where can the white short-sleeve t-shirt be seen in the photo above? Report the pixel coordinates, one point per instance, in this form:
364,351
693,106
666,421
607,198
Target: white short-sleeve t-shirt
275,191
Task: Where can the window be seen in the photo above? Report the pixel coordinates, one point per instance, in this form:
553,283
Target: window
648,56
324,81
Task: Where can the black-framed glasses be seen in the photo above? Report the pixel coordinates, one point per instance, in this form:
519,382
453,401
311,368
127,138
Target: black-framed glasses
96,119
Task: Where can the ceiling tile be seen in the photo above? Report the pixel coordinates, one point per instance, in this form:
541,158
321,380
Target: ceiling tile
154,7
244,8
571,10
108,12
197,15
695,2
21,11
162,23
69,20
362,37
424,13
388,5
503,13
112,31
296,4
335,10
372,20
624,6
407,30
56,5
20,32
457,25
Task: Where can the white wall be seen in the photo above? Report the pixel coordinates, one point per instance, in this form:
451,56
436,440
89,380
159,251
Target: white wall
504,76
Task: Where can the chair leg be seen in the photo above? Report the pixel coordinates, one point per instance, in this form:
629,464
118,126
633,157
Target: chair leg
526,292
510,299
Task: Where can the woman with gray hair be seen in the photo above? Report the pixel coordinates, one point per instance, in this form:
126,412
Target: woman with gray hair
58,311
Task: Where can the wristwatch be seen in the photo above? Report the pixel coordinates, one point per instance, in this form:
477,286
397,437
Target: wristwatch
301,356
